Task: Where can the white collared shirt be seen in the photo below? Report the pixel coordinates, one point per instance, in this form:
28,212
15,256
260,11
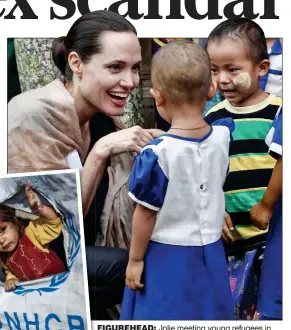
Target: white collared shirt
182,179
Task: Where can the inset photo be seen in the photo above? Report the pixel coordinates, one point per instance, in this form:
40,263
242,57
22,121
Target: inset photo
43,277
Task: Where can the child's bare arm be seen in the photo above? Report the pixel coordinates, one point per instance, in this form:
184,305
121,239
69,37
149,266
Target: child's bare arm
274,190
46,212
262,212
142,227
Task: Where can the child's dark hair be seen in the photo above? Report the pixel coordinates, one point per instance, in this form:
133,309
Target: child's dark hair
247,30
84,37
7,214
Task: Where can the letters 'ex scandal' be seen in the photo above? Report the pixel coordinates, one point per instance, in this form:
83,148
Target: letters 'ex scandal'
130,9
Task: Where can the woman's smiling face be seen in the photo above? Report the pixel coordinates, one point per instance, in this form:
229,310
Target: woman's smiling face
110,76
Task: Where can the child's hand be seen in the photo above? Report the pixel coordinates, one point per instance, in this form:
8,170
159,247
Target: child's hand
11,284
42,210
133,274
227,229
32,198
261,215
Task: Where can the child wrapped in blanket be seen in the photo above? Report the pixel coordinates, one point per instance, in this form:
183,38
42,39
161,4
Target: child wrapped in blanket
24,251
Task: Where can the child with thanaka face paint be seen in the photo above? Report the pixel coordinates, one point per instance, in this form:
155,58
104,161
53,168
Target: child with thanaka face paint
177,268
238,54
24,251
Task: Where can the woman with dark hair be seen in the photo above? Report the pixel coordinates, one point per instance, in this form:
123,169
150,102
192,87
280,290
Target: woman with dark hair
49,128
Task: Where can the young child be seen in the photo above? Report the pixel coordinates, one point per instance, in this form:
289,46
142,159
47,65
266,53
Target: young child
177,268
238,54
270,208
24,251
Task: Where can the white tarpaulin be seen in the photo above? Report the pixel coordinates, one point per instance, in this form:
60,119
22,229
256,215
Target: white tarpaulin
56,302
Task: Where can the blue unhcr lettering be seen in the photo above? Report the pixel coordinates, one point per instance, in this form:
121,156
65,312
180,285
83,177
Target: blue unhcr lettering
14,324
47,321
78,324
29,323
19,321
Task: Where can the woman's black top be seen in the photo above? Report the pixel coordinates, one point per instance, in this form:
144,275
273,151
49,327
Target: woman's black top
100,125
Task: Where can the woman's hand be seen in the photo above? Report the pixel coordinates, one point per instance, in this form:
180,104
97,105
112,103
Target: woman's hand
133,274
11,284
127,140
155,132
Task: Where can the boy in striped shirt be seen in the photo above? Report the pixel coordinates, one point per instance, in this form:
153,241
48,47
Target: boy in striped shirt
239,58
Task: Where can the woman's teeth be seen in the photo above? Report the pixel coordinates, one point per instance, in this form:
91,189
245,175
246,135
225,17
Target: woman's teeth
118,96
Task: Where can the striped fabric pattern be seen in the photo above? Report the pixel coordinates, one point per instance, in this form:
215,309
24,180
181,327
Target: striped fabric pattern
250,164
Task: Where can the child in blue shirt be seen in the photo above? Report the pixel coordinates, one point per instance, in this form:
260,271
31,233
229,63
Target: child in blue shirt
177,267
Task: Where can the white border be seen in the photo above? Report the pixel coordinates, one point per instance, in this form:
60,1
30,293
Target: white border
81,224
83,247
3,107
43,27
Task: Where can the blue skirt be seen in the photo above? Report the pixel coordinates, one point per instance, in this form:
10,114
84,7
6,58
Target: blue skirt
181,283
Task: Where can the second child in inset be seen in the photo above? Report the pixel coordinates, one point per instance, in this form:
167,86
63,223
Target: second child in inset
177,268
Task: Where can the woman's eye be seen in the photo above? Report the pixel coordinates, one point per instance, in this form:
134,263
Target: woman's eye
233,69
115,67
136,68
213,70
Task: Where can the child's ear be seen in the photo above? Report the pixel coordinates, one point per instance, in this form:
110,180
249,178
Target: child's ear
212,90
158,96
264,67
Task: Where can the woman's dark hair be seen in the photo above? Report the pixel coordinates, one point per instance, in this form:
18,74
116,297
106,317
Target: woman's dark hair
250,32
83,37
